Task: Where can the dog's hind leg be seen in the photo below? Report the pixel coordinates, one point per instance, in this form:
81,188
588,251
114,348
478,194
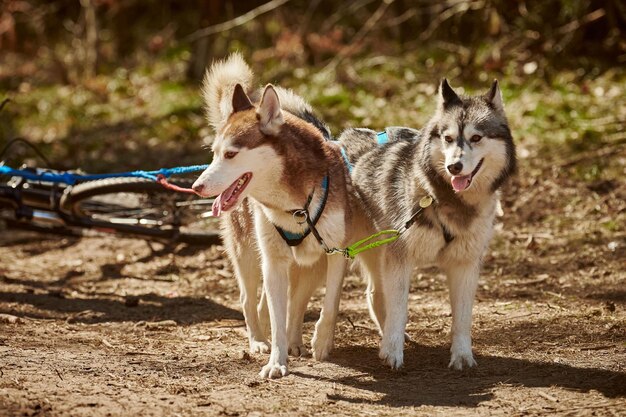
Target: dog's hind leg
395,285
462,280
302,283
324,337
264,314
374,292
248,272
242,248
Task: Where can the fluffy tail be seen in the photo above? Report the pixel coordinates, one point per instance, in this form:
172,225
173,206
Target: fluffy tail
219,84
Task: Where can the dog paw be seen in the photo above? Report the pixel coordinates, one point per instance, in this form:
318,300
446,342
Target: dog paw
461,351
394,360
322,343
299,350
392,352
273,370
259,346
461,360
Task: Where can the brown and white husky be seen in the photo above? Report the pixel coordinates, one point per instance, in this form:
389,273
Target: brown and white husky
272,162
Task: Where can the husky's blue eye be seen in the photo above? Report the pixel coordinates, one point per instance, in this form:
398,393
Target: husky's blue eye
230,154
476,138
448,139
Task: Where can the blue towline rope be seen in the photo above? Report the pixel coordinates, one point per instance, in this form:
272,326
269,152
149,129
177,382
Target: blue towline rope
71,179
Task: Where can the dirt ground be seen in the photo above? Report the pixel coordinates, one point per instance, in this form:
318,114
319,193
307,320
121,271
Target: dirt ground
110,326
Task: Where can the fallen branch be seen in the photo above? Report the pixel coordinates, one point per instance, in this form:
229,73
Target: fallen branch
519,316
599,347
238,21
160,324
107,343
547,396
58,373
538,280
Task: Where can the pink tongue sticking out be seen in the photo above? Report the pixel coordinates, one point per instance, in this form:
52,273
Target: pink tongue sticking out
223,199
216,208
460,183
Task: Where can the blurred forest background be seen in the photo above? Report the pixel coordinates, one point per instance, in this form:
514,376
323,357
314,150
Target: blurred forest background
109,85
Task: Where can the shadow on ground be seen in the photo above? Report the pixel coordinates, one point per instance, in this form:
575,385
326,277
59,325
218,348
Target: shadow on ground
426,380
147,307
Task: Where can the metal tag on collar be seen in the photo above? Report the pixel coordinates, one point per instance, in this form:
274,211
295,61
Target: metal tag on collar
425,201
300,216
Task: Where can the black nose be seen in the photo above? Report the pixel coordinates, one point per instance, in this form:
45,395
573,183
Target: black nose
198,188
455,168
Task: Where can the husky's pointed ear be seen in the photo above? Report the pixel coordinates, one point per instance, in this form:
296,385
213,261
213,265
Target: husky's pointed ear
269,113
240,99
494,97
447,96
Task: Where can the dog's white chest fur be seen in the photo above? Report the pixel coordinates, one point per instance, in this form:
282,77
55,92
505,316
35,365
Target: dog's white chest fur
331,228
425,243
307,253
428,244
470,242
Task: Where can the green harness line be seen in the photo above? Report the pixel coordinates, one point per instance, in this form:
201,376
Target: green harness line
362,245
351,251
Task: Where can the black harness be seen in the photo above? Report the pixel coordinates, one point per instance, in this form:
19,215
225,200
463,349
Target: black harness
302,216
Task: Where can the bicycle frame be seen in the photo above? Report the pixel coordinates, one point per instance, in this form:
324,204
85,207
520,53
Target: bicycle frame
30,205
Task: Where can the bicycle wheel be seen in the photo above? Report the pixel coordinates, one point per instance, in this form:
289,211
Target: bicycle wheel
141,207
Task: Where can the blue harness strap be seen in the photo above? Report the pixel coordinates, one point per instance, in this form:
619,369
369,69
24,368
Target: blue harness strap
71,179
381,139
346,160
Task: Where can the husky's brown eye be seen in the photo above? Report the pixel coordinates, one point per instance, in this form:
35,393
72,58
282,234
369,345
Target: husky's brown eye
448,139
230,154
475,138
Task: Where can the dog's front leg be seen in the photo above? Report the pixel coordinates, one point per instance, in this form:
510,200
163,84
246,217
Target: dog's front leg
324,337
462,280
276,283
395,283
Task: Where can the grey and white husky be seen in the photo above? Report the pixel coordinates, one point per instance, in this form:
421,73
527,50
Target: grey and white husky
272,162
460,159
